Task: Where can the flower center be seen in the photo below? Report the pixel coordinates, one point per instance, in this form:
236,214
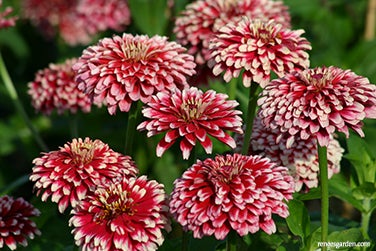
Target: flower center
264,32
114,202
192,109
135,51
83,152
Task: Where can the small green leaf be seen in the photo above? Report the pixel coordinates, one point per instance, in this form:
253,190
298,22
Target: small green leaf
298,220
345,236
366,190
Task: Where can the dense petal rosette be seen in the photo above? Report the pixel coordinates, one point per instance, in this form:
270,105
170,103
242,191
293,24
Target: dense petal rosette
301,158
127,215
257,48
77,21
69,174
201,19
191,115
317,102
231,192
120,70
15,223
55,88
5,21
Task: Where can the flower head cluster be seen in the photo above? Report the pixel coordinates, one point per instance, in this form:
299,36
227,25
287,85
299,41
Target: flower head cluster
123,69
258,48
191,115
15,225
77,20
199,22
127,215
69,174
301,158
317,102
231,192
55,88
5,21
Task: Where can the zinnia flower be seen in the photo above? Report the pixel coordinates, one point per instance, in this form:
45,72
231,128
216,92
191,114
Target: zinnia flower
301,158
231,192
199,22
15,225
191,115
69,174
317,102
55,88
126,215
258,48
5,21
123,69
77,21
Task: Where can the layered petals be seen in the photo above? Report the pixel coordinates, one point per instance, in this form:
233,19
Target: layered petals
257,48
120,70
316,103
200,20
15,223
231,192
55,88
68,175
128,214
192,116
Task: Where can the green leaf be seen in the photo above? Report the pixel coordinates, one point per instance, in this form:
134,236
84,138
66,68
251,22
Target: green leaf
314,193
298,220
150,16
340,188
366,190
345,236
312,241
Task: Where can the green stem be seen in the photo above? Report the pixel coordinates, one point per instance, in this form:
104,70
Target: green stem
251,111
231,89
73,123
323,166
233,242
20,109
366,216
131,126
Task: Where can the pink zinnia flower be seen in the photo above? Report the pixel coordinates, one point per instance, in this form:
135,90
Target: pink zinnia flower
55,88
127,215
78,21
15,225
317,102
199,22
301,158
123,69
191,115
5,21
231,192
69,174
258,48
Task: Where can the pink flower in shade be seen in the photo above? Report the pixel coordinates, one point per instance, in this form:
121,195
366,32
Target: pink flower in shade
55,88
69,174
258,48
5,21
123,69
15,225
231,192
77,21
191,115
127,215
317,102
301,158
199,22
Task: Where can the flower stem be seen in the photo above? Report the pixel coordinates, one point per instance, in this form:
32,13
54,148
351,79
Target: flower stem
131,126
366,216
251,111
231,89
20,109
233,241
323,166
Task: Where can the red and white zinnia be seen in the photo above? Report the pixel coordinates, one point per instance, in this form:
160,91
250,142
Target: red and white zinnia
120,70
191,115
231,192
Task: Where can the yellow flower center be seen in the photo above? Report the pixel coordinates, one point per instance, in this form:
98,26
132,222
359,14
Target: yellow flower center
192,109
135,51
83,152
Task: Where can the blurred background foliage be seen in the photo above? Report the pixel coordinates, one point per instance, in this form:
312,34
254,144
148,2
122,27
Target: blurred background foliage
336,29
